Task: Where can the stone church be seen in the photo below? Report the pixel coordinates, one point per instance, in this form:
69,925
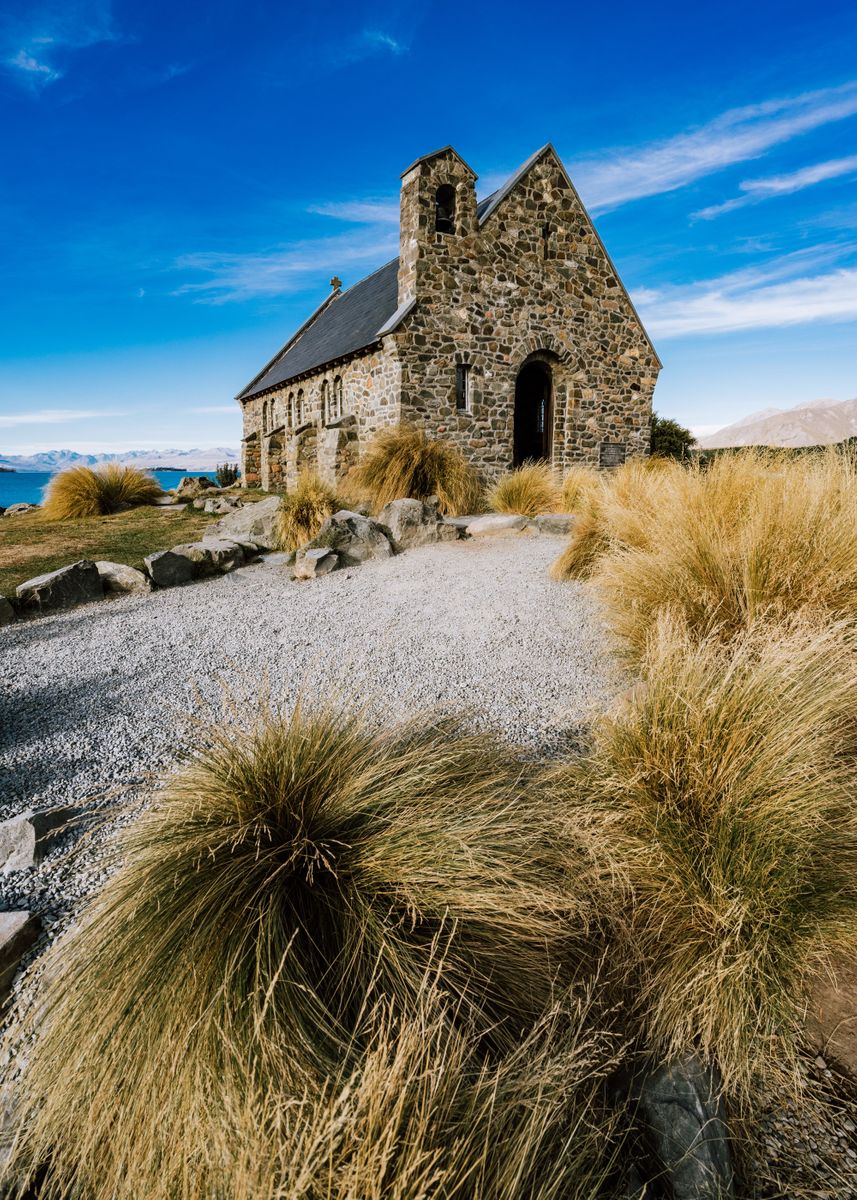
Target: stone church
502,326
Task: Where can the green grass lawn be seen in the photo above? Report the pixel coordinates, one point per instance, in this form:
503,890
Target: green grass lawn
31,545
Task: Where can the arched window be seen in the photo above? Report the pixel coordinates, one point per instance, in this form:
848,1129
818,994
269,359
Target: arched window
444,209
325,402
337,397
265,416
299,407
290,410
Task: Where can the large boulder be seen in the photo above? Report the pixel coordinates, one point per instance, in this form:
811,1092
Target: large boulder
119,579
18,932
26,839
254,522
415,523
555,524
78,583
310,564
355,538
190,486
493,523
211,557
15,510
7,612
167,569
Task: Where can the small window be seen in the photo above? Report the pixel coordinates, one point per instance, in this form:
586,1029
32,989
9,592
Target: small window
291,410
299,407
462,387
444,209
337,397
325,402
266,421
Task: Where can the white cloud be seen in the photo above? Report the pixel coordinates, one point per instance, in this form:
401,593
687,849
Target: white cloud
52,416
215,408
30,45
615,177
789,291
360,212
282,269
756,190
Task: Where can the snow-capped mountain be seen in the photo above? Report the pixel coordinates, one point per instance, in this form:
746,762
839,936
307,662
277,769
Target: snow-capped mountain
181,460
817,423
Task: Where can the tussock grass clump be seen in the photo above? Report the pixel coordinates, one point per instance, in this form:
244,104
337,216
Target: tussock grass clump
291,878
83,492
727,780
402,462
304,511
528,490
577,484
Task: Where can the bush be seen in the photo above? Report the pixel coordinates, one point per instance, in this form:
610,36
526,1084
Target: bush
577,485
290,879
724,782
227,474
304,511
528,490
110,488
669,439
404,462
751,538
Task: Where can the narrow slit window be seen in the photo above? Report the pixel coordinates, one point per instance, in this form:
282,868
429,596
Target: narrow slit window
444,209
326,410
462,387
337,397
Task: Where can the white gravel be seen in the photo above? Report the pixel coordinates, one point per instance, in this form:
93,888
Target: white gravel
98,697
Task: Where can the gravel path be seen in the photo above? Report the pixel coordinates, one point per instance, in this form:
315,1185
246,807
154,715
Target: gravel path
98,698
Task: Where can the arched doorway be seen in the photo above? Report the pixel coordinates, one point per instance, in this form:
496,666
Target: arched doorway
533,408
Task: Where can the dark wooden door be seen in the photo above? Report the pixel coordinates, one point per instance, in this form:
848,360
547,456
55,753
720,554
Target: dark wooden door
532,414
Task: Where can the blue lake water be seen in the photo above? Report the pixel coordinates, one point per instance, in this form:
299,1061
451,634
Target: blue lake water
26,487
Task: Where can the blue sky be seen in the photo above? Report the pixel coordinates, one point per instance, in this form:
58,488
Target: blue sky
179,183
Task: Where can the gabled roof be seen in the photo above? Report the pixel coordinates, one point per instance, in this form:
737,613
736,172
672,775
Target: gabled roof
350,321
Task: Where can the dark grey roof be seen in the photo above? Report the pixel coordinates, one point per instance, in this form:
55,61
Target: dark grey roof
348,323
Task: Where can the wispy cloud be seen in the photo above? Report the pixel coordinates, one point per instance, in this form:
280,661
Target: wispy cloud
756,190
360,212
52,416
281,270
35,41
736,136
793,290
367,43
214,408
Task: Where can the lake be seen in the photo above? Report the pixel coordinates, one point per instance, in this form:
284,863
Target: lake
25,487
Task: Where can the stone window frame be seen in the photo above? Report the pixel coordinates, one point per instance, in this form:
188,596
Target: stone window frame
290,406
338,406
299,408
450,203
471,371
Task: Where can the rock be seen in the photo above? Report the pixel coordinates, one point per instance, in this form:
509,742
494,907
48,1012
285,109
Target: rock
26,839
254,522
414,523
355,538
493,523
831,1021
219,505
461,523
556,524
309,564
190,486
119,579
167,569
213,556
78,583
7,612
18,932
682,1112
15,510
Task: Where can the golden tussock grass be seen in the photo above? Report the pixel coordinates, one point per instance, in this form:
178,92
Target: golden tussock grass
295,877
724,786
83,492
404,462
577,484
529,490
304,511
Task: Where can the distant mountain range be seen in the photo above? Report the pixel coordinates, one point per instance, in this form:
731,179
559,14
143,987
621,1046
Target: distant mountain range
818,423
181,460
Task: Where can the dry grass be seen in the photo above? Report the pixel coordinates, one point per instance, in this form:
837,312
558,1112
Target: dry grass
528,490
578,483
291,879
304,511
403,462
83,492
725,787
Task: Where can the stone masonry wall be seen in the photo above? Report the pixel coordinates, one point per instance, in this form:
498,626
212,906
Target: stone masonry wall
532,281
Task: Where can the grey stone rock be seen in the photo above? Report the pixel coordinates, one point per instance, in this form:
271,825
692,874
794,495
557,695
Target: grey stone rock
225,555
191,485
309,564
220,505
255,522
414,523
7,612
25,839
15,510
461,524
493,523
120,579
168,569
78,583
555,524
18,932
682,1110
354,537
